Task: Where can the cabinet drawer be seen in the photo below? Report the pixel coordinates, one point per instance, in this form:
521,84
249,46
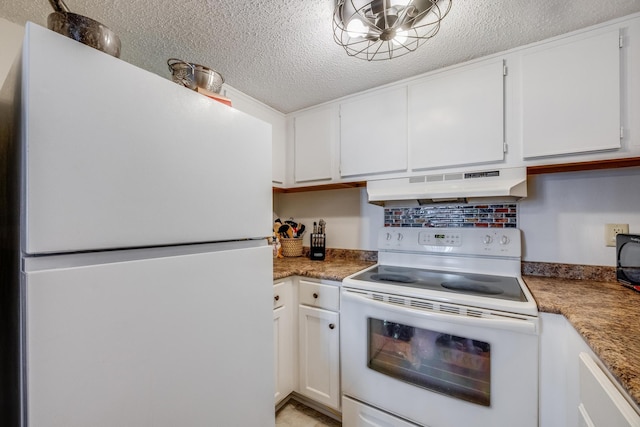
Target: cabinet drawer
280,295
319,295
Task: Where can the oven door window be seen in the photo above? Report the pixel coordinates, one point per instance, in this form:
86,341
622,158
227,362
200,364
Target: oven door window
459,367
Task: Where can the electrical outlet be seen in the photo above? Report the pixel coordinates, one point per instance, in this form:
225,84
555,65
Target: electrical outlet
612,230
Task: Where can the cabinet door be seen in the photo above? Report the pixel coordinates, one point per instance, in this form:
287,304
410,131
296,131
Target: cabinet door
283,340
583,417
276,119
456,118
601,404
314,138
571,97
373,133
319,355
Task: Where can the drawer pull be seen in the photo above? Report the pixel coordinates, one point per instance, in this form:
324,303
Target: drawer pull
331,326
277,297
315,295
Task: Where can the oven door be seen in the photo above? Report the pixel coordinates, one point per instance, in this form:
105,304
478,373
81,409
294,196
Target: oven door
411,358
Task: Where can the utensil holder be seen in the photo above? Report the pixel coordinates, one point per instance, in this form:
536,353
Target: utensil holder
317,245
291,247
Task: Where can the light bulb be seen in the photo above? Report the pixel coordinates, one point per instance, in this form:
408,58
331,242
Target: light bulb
356,28
401,3
400,38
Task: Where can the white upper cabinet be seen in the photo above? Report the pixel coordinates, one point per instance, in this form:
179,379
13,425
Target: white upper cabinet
456,117
315,134
571,96
568,99
277,120
373,133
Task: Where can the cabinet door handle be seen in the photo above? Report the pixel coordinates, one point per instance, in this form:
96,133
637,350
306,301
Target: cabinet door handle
315,295
331,326
277,297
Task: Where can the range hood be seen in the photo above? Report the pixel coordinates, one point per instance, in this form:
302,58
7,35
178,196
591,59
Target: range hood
497,185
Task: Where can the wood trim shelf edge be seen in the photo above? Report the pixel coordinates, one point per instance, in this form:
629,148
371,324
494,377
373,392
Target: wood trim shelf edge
531,170
584,166
334,186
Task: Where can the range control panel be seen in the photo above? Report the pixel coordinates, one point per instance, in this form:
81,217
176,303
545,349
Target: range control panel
439,239
462,241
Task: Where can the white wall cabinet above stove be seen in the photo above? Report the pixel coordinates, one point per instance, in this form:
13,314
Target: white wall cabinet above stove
373,133
456,117
571,96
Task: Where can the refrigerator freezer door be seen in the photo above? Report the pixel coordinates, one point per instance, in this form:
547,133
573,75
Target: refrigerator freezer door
117,157
166,341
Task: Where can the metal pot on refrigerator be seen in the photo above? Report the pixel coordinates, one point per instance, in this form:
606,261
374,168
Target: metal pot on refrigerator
80,28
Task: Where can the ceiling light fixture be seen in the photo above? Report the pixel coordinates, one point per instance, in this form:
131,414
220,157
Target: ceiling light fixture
384,29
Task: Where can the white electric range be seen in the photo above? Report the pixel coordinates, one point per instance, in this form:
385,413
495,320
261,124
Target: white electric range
442,332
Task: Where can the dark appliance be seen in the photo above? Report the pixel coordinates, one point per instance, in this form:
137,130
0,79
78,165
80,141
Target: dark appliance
628,260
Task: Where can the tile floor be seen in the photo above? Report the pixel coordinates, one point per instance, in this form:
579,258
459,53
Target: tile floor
295,414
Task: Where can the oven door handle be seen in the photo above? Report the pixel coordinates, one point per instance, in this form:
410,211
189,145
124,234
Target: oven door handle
526,326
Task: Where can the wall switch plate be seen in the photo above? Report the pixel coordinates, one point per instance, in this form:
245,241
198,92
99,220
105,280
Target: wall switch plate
612,230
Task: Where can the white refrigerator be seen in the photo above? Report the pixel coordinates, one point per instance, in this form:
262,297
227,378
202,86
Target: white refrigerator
141,279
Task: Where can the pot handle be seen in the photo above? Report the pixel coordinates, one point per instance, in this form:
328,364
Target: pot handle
173,61
59,6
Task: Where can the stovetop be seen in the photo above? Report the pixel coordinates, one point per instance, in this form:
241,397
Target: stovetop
489,286
473,267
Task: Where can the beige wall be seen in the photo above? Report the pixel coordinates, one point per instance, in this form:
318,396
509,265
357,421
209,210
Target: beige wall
352,223
10,43
564,216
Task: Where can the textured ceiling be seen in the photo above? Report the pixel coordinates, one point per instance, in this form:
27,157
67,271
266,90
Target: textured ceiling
282,53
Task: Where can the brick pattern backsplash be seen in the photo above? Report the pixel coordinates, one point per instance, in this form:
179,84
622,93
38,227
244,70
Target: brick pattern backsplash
500,216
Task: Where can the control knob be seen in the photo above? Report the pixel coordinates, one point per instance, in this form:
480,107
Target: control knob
504,240
487,239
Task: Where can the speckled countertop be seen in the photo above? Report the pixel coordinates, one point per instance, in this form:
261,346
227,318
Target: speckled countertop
333,269
603,312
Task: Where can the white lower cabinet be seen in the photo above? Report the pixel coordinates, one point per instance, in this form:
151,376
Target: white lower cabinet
306,327
319,343
574,390
601,404
283,334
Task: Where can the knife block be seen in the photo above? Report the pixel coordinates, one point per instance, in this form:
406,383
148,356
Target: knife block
317,245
